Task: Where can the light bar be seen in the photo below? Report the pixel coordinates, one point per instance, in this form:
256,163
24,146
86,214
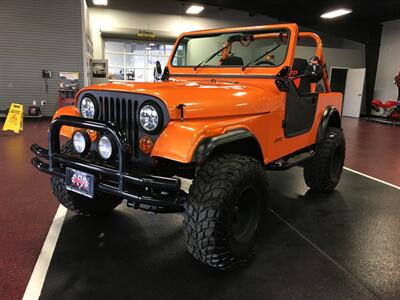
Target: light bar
100,2
336,13
194,9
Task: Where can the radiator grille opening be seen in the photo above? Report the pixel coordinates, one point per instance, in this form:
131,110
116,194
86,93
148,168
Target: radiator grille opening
122,113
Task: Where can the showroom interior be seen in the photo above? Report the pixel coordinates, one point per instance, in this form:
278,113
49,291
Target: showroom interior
156,149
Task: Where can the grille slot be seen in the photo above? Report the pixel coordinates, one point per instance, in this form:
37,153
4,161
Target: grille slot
122,113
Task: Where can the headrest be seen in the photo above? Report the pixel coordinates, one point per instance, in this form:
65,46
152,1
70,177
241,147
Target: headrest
299,65
232,61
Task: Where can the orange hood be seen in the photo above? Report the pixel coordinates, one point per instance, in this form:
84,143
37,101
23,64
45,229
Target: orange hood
202,98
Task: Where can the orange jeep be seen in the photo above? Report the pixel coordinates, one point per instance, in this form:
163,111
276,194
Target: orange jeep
231,103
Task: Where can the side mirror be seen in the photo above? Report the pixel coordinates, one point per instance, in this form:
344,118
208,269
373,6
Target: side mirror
158,67
157,71
314,73
165,74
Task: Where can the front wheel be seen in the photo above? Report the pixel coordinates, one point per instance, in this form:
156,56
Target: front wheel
322,173
100,205
223,210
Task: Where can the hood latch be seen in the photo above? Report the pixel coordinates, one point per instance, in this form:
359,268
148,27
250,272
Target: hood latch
181,107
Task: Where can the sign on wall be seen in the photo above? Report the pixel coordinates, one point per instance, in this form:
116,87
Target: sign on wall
69,80
146,34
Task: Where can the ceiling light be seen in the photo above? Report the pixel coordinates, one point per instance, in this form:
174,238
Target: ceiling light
195,9
100,2
336,13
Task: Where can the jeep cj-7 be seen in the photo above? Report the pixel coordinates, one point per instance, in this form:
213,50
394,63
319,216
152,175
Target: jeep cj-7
231,103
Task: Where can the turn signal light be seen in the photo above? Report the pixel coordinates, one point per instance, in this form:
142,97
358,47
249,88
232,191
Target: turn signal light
146,145
93,134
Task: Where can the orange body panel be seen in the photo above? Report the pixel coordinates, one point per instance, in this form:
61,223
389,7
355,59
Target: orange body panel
67,131
213,105
179,140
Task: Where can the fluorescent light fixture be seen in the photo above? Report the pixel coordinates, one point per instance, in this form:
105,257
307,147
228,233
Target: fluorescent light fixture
194,9
152,44
336,13
100,2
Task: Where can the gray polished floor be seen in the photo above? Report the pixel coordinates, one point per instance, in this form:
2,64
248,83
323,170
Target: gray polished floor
344,245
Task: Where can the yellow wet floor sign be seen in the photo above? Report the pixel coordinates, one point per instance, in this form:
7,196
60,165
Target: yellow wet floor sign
15,118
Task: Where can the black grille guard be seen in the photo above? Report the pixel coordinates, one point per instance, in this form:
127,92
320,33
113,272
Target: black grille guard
139,194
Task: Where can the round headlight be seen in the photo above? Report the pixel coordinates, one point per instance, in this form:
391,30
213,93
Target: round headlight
88,108
81,142
105,147
149,117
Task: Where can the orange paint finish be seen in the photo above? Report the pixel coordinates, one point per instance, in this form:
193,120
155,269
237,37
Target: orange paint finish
219,99
67,131
180,139
292,28
203,98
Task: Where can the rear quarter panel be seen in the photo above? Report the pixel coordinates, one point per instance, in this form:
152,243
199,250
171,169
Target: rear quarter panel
287,146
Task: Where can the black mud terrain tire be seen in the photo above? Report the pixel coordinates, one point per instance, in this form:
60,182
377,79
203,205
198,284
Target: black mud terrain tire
100,205
223,210
322,173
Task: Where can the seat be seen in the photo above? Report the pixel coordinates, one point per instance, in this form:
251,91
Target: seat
232,61
303,84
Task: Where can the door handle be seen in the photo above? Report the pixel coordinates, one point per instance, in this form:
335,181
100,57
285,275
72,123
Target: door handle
359,94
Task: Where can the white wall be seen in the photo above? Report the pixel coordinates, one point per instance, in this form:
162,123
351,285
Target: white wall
106,19
346,54
389,62
335,57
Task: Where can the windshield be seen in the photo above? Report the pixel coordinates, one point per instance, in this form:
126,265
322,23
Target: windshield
234,49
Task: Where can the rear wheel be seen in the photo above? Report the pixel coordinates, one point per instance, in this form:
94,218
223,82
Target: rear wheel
223,210
100,204
322,173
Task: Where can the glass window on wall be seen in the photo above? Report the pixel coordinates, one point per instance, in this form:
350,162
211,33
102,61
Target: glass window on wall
135,61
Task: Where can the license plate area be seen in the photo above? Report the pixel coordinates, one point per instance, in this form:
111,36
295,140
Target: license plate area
80,182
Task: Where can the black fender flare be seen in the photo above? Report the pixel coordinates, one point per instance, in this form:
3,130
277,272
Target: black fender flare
330,117
207,146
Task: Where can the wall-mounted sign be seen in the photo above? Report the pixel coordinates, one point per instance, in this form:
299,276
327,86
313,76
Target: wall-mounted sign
69,80
146,34
99,69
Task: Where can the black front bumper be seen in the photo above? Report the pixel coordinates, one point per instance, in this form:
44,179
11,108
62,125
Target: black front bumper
148,192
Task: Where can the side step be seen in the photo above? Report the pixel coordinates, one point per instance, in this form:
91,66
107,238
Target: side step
290,161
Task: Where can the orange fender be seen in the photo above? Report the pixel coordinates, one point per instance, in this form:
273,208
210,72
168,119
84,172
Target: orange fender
179,140
67,131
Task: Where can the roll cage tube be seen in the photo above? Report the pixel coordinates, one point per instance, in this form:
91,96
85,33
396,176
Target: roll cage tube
318,52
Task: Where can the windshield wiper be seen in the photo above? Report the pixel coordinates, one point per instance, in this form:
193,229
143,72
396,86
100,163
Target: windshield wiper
211,57
257,59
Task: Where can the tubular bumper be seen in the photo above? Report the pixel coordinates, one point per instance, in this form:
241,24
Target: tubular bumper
148,192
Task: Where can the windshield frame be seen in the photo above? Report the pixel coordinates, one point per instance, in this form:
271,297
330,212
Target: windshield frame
246,30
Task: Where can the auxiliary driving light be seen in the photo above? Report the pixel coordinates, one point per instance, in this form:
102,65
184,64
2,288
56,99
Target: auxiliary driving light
81,142
105,147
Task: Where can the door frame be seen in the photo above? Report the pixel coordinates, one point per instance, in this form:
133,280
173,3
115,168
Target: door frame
330,79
